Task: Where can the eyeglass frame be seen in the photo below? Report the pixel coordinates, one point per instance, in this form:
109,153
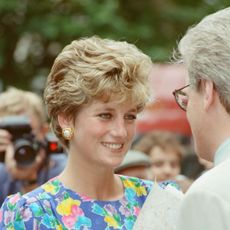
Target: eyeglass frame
177,92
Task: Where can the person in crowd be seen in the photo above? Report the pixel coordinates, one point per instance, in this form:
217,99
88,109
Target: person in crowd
205,51
93,94
135,164
23,121
165,152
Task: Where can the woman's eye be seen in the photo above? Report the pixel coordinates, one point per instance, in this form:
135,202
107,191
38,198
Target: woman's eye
105,115
130,117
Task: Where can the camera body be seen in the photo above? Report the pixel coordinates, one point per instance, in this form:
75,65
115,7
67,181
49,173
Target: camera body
26,146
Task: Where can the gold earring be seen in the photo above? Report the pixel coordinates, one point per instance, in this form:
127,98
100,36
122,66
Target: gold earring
67,133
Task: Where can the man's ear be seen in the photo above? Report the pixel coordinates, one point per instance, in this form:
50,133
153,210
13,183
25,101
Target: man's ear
64,121
208,94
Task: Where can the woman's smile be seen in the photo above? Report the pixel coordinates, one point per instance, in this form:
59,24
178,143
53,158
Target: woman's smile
113,146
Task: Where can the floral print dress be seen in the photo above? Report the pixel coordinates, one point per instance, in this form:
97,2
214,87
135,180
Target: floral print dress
53,206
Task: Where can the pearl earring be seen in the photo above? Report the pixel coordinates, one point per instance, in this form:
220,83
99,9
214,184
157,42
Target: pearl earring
67,133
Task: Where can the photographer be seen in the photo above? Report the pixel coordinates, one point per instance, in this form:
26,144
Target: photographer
16,175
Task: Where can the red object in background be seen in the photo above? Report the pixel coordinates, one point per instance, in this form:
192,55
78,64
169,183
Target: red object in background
53,146
163,113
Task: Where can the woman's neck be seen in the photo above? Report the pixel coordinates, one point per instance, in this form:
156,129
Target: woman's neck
94,182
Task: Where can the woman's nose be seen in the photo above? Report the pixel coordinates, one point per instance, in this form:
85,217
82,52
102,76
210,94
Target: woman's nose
119,128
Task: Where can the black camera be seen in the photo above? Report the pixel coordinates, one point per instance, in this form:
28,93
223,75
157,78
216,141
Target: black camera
26,146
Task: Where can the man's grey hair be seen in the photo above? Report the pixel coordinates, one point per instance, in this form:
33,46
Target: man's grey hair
205,50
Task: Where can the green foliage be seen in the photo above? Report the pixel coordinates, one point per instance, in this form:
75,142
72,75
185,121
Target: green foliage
33,32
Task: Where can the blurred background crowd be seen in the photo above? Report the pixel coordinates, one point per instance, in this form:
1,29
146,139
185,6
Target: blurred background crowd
32,33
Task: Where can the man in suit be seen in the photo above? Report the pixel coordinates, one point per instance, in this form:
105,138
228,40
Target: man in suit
205,51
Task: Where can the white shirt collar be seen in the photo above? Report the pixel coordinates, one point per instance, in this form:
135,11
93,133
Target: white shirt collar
223,152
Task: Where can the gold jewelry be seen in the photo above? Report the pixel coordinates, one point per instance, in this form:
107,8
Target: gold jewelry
67,133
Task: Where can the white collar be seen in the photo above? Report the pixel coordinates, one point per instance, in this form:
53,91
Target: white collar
223,152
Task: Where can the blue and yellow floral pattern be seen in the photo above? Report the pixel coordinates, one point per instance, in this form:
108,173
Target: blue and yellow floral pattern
53,206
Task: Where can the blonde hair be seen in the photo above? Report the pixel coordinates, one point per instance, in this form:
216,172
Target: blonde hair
15,102
95,68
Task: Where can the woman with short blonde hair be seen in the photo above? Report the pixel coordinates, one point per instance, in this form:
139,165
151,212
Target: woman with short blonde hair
94,92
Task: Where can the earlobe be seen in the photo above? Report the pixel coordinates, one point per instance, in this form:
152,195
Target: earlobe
66,126
67,133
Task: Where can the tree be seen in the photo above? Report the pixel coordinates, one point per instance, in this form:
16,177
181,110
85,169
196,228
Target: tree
33,33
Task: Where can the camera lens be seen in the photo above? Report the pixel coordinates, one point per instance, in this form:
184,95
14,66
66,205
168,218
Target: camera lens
24,152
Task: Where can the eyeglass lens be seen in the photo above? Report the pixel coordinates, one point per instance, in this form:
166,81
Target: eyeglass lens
182,99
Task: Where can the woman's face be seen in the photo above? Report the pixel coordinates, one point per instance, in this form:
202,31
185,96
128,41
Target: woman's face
103,132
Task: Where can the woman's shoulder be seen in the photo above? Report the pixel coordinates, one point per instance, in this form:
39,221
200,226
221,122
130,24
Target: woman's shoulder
12,211
18,209
17,201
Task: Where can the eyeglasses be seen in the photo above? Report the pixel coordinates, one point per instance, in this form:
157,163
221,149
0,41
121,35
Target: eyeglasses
181,97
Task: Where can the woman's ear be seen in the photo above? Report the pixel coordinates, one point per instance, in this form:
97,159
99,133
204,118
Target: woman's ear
208,94
64,121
